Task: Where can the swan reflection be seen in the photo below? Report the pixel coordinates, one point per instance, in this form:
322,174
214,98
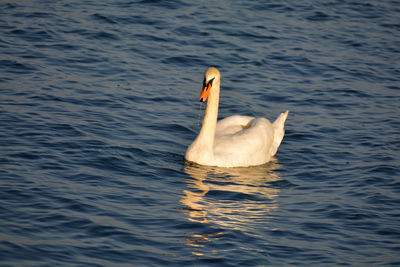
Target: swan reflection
228,199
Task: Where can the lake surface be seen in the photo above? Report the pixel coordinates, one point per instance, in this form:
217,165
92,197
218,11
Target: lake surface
99,101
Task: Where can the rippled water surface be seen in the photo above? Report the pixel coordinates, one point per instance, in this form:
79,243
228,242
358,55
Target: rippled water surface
99,100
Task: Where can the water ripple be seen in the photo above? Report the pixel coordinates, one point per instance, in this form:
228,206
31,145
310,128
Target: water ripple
98,104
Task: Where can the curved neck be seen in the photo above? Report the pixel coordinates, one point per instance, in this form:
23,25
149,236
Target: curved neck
207,132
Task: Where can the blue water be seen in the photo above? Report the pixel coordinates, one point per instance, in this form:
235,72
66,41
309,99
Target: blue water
99,101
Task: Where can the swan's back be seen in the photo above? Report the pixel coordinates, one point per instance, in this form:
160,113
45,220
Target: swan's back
232,125
243,144
247,141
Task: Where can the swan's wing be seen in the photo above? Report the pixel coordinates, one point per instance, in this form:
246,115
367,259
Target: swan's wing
232,125
251,145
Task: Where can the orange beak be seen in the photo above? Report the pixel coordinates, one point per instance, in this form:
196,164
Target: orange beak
204,92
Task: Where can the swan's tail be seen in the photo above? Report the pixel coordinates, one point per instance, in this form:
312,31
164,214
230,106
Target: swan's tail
279,127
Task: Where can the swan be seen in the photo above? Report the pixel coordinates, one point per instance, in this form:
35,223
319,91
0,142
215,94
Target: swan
236,141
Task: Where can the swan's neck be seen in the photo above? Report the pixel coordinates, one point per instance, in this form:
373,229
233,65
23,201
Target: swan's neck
207,132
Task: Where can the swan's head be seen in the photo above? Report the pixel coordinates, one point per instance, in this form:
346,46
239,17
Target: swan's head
211,77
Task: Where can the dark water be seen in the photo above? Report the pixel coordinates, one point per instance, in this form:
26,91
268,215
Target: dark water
99,102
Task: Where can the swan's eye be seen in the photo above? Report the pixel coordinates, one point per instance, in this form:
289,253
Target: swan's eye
207,85
211,81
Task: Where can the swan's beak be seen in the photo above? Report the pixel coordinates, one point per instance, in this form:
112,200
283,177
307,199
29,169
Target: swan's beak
204,92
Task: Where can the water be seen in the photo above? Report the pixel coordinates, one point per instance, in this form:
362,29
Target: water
99,101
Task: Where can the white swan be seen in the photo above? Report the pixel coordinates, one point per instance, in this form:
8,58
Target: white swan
236,141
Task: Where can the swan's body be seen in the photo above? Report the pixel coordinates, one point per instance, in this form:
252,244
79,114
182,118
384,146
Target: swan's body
236,141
